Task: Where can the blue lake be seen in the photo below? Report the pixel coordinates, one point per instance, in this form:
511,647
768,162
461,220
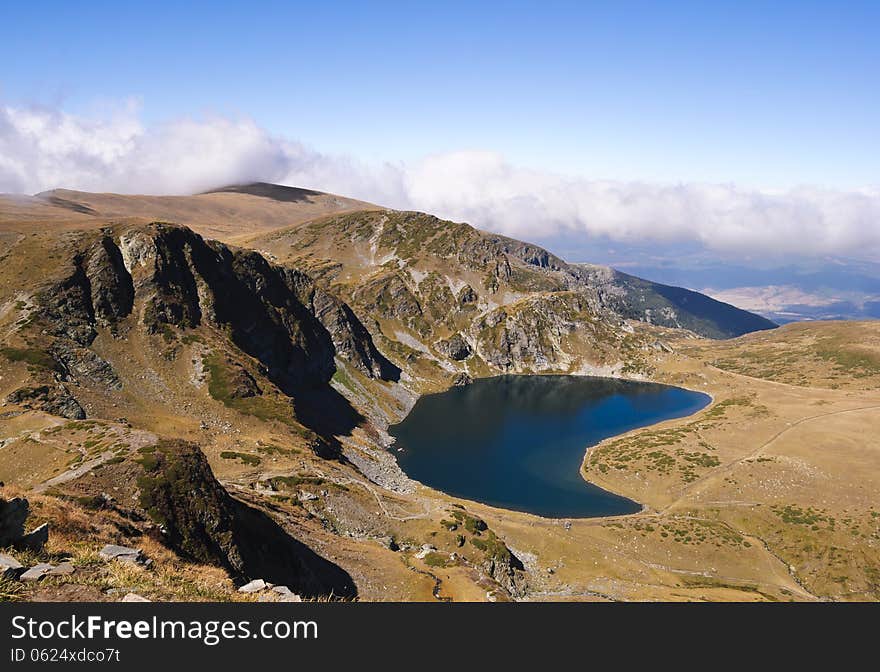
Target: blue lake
517,442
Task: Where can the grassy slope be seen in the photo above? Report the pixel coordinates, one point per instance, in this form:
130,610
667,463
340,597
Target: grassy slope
769,494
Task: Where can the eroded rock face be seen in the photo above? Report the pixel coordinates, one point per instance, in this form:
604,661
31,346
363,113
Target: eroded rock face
530,254
274,314
200,520
528,337
164,275
112,289
96,291
390,297
507,570
350,338
454,347
56,400
83,364
170,277
67,306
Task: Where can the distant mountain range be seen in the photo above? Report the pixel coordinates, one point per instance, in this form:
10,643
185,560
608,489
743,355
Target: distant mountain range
781,289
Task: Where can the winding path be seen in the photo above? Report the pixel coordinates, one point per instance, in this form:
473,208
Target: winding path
697,485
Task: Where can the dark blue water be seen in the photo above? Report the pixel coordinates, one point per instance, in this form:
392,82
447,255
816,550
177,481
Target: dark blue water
517,442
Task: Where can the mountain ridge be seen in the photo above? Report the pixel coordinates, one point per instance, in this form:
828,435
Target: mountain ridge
292,207
142,360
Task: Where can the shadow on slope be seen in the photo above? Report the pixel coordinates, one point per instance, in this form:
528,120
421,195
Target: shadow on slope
200,520
276,192
268,552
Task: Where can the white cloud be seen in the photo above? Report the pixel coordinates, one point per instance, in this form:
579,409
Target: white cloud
44,148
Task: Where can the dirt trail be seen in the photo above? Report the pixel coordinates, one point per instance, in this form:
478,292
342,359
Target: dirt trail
71,474
701,483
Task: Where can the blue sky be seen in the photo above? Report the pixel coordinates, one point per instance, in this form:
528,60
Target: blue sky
615,131
767,94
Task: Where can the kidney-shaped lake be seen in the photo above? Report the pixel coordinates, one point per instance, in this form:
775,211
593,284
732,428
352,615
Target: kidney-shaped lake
517,442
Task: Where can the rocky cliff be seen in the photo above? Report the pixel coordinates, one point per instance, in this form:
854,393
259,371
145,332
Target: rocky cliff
162,277
443,298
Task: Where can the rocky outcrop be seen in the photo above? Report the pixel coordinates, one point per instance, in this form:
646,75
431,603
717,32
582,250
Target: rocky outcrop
466,297
389,297
112,289
54,399
163,278
13,515
66,306
200,520
454,347
350,338
461,379
83,365
172,278
241,383
507,571
97,290
196,515
276,315
528,336
530,254
499,274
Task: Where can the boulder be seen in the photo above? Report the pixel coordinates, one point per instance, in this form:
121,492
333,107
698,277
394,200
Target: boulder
9,566
36,572
36,539
134,597
122,554
55,400
461,379
63,569
426,548
254,586
285,594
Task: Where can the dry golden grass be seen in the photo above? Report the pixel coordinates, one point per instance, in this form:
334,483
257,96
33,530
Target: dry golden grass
77,534
221,216
770,494
741,529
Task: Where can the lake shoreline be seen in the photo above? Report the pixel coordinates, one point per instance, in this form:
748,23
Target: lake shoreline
595,405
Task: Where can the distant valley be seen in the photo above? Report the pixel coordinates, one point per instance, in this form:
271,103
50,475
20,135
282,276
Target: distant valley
781,290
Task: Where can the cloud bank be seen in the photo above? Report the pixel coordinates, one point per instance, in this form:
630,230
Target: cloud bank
44,148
